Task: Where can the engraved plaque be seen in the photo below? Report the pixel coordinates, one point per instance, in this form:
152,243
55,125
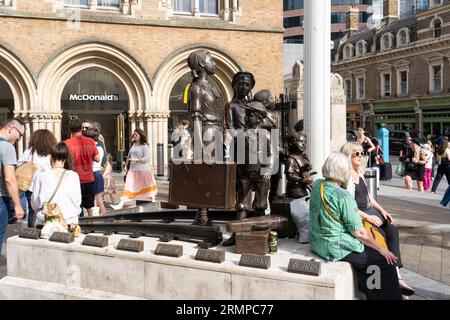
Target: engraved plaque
65,237
170,250
131,245
310,268
255,261
216,256
30,233
95,241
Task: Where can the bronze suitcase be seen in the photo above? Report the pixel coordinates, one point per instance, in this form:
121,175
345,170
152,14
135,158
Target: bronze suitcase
203,185
256,242
274,222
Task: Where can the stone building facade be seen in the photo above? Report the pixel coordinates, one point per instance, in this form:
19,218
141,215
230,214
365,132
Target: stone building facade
111,59
396,73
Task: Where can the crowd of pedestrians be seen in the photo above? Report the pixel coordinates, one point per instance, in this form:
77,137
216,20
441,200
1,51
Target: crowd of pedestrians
73,175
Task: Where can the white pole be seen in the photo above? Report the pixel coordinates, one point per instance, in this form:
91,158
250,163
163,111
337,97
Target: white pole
317,55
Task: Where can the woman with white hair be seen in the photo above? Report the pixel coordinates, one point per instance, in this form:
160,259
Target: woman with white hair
371,210
336,231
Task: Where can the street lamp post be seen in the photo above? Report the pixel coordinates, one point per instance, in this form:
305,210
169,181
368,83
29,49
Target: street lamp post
317,57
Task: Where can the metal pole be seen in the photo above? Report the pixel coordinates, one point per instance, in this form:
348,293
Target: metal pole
160,159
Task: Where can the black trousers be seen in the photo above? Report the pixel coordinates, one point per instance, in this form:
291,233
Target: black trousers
390,233
386,287
442,170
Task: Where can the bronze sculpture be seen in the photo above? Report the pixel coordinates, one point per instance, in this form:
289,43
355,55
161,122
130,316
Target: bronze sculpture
298,167
205,107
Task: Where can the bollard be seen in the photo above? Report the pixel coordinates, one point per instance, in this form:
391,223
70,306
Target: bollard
281,189
371,179
169,157
160,159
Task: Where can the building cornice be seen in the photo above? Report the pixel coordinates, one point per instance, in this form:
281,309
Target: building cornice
111,18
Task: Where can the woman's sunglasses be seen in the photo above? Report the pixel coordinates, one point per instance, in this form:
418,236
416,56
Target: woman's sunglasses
358,154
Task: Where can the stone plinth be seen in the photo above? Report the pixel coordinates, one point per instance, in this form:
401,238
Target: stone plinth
39,269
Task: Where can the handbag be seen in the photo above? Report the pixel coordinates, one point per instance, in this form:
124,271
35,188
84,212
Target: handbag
24,174
54,219
371,229
400,169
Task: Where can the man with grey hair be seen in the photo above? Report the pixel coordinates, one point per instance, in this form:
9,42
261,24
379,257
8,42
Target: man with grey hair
11,131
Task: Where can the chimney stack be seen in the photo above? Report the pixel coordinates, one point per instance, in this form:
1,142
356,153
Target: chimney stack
390,11
352,19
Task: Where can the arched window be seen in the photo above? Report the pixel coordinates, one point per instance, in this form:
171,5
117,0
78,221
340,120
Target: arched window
403,38
386,42
436,25
348,51
360,49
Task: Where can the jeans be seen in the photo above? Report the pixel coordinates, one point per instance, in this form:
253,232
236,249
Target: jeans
30,209
5,209
446,199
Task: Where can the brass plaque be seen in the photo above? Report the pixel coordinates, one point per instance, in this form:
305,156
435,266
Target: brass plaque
255,261
216,256
170,250
30,233
95,241
310,268
65,237
131,245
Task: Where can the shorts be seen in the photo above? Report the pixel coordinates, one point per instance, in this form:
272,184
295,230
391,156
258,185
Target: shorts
87,195
99,182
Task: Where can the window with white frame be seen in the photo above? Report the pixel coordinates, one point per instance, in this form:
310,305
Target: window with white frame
386,84
348,51
80,3
403,82
403,38
207,7
437,25
182,6
386,42
436,78
360,49
360,88
109,3
348,88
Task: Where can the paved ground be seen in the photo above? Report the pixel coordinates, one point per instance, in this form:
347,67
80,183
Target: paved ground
424,232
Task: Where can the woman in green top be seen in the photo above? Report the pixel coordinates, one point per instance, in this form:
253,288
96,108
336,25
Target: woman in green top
342,237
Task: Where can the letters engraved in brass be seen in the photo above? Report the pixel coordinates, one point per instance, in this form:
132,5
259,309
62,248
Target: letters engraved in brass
170,250
131,245
216,256
30,233
65,237
310,268
255,261
95,241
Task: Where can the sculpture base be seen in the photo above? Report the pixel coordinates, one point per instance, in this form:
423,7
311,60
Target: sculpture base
40,269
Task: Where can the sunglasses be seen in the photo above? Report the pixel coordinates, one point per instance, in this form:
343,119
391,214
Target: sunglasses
358,154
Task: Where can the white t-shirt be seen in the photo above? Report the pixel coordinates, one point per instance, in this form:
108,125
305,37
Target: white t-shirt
68,196
97,166
429,164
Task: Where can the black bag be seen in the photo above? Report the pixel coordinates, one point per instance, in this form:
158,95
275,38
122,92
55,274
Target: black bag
386,171
411,166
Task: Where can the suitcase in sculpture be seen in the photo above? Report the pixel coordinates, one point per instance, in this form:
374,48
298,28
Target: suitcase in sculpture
273,222
255,242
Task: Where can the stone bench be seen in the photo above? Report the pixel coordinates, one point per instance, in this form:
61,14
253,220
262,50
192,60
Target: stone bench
40,269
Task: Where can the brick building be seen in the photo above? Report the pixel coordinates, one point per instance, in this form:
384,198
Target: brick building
396,73
109,60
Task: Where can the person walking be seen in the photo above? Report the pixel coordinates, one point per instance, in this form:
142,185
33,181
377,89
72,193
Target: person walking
39,146
443,161
139,181
99,183
84,152
12,130
414,167
110,186
427,155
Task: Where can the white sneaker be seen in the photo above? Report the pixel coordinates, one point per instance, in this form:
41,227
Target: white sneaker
116,206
